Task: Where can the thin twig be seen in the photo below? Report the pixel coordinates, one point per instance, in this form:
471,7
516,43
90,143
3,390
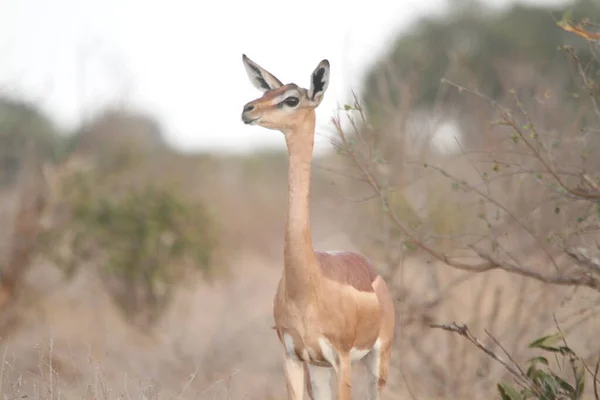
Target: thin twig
505,352
596,379
463,331
586,82
583,258
578,279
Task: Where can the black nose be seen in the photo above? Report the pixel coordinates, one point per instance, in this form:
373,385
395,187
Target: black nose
249,107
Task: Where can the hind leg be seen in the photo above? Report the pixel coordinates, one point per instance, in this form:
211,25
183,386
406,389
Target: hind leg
376,364
319,382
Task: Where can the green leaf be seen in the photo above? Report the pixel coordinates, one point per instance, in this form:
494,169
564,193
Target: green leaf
566,17
528,393
580,379
539,359
410,244
507,392
549,383
564,350
533,373
546,341
564,385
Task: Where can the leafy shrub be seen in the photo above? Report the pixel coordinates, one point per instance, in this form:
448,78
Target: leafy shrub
22,124
143,232
145,238
148,235
539,378
540,381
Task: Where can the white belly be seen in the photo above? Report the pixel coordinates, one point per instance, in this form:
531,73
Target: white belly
358,354
327,350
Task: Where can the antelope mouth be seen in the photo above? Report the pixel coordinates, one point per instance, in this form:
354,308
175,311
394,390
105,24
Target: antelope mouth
249,121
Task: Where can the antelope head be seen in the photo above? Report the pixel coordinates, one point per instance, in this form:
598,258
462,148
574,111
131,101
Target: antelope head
283,107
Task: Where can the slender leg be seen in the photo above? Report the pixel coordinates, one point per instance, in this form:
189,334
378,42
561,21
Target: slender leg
344,377
376,365
320,382
385,355
372,363
294,377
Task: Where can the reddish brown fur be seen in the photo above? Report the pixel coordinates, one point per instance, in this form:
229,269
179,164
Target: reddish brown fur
365,305
348,268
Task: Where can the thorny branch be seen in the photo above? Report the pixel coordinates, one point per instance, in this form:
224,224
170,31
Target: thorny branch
589,87
582,256
509,120
489,263
464,331
579,192
521,378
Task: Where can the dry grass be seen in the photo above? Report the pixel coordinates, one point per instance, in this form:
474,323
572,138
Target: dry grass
66,339
216,342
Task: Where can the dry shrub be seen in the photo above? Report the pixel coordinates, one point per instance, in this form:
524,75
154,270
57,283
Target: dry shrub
115,210
497,231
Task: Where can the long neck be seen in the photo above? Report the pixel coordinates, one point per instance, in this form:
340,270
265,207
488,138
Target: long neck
301,271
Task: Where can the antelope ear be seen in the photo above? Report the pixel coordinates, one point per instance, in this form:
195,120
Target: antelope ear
319,81
261,78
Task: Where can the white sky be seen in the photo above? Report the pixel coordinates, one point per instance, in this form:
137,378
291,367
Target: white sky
181,60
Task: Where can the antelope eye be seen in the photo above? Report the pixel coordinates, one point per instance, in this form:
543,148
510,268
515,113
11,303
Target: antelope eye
291,101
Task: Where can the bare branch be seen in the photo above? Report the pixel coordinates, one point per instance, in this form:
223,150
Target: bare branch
582,257
597,397
586,82
463,331
578,279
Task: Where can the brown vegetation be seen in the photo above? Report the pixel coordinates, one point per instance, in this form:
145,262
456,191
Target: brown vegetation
500,235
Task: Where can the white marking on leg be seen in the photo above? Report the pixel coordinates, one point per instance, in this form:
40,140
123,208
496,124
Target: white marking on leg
289,346
320,382
329,353
294,376
372,362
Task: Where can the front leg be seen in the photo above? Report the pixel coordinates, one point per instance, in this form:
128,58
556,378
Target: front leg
344,377
294,377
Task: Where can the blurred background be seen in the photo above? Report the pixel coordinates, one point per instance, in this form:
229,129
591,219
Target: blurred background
142,221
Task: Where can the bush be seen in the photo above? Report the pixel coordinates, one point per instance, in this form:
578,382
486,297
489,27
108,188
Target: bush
541,377
22,124
510,212
143,232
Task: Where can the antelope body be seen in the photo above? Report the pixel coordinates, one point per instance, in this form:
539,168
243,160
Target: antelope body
331,308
